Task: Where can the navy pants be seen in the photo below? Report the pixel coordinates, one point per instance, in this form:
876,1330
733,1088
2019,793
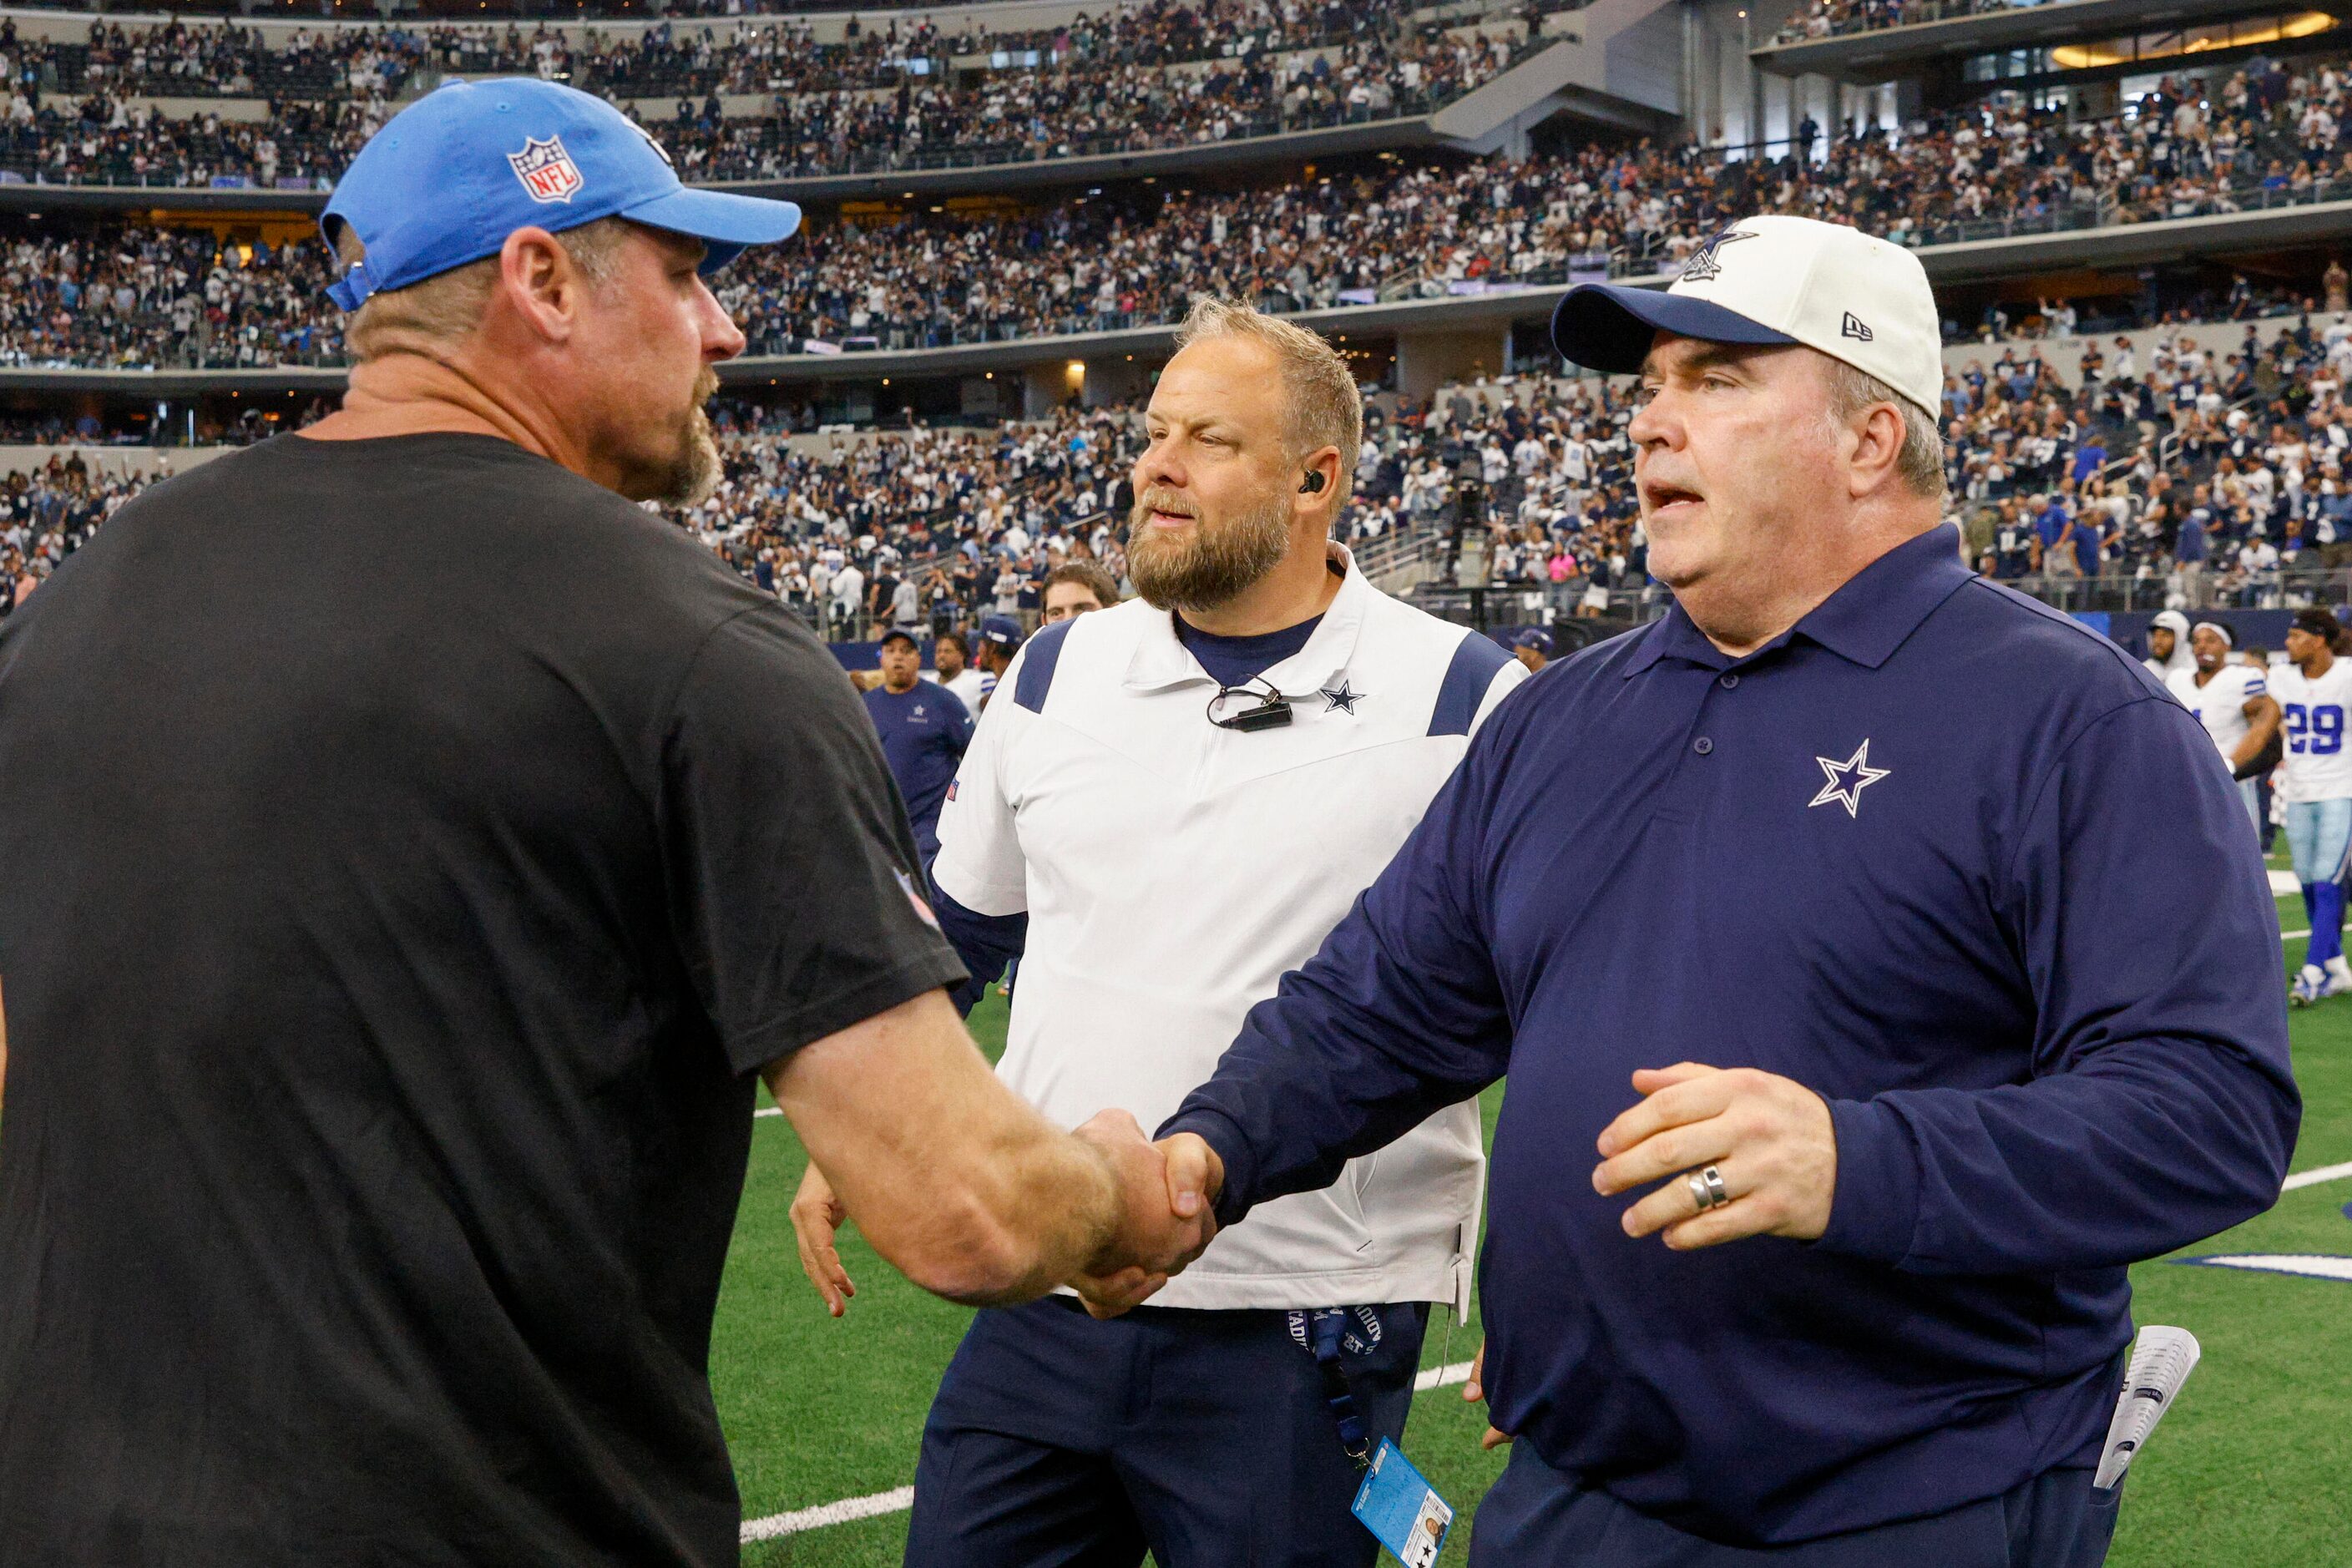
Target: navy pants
1536,1517
1060,1442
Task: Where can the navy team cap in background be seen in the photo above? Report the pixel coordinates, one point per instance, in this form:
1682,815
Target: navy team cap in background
450,176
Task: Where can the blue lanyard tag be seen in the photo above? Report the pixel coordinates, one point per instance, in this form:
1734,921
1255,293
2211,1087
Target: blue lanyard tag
1403,1511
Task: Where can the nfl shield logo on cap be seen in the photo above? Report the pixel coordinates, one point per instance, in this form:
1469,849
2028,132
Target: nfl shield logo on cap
450,177
547,171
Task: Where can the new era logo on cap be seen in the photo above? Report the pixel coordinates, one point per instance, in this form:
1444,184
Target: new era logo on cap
547,171
1794,281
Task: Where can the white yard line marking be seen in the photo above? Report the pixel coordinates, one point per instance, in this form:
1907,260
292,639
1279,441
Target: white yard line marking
1444,1376
2314,1177
897,1500
772,1110
901,1499
2313,1266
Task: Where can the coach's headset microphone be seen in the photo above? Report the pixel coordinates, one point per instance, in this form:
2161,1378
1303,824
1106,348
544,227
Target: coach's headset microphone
1273,709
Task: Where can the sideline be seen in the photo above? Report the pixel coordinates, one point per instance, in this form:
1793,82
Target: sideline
2314,1177
900,1498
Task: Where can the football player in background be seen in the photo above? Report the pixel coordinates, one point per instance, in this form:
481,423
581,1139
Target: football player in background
2232,701
2313,691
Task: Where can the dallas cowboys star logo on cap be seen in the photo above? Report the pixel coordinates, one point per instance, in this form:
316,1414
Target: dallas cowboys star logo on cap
1847,780
1704,262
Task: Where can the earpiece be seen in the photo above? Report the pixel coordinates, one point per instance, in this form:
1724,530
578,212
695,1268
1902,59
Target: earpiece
1312,484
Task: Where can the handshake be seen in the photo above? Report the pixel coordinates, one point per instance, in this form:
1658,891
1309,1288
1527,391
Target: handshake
1139,1213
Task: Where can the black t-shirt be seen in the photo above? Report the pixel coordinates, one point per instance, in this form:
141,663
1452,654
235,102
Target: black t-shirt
412,848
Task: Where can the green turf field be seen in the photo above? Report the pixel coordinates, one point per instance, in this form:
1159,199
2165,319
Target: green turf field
2248,1468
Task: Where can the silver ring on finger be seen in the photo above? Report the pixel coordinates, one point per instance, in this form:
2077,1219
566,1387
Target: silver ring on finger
1706,1188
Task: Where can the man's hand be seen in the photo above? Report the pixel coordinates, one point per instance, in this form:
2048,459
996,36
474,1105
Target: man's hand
816,1214
1475,1391
1196,1175
1769,1137
1166,1192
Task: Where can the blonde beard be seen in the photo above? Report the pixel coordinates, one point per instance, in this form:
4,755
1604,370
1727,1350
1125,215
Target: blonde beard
1211,567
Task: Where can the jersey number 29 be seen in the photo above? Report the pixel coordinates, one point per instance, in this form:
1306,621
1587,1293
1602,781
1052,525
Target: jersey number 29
2315,732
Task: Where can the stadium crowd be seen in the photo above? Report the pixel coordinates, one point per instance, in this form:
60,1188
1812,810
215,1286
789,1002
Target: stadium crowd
937,527
141,295
972,521
830,108
922,528
2200,478
1107,263
179,59
48,514
1545,467
2197,477
1136,255
196,59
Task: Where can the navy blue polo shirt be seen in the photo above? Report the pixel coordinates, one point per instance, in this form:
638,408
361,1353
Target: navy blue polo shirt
1939,853
924,731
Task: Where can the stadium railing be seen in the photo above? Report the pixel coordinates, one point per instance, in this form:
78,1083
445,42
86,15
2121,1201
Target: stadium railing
1871,18
2210,588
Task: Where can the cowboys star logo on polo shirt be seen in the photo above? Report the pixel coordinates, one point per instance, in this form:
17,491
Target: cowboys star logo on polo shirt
546,170
1847,780
1705,263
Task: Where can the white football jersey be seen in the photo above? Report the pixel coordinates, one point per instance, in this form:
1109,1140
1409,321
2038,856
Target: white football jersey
973,684
2221,703
2312,712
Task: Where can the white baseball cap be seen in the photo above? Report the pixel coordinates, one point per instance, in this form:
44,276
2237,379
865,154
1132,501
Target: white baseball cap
1851,295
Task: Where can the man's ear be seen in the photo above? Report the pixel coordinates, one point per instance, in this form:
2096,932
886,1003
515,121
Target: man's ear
1878,437
540,284
1319,480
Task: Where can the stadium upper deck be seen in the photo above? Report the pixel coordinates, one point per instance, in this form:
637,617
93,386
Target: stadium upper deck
108,104
1440,239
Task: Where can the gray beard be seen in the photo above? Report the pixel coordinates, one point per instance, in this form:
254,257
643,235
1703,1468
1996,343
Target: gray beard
695,475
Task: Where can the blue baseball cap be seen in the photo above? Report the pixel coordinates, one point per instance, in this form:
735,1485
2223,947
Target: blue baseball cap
450,176
1534,638
1001,630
